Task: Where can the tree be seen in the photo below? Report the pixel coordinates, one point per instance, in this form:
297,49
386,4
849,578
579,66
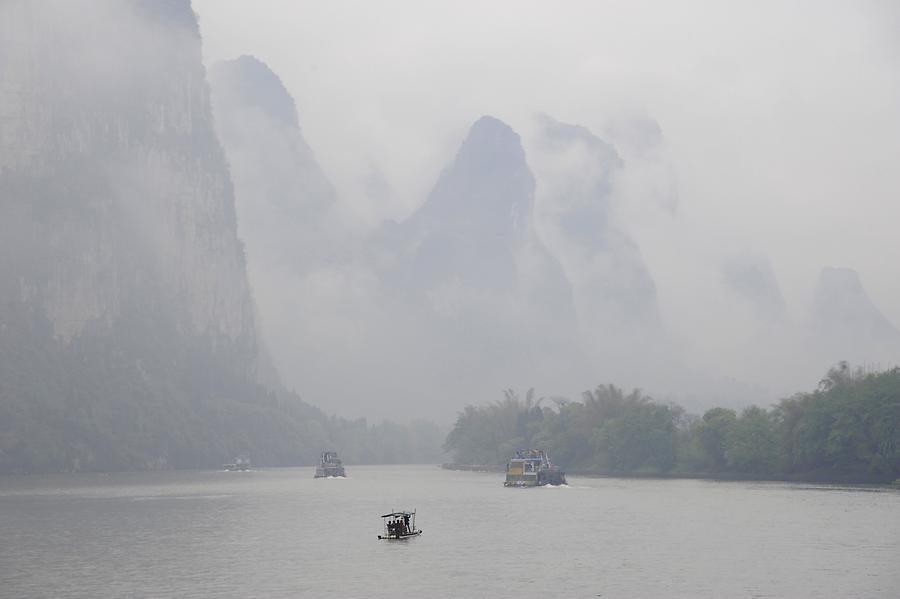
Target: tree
751,445
712,434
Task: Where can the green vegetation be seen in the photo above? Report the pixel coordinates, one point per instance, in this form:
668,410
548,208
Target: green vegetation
90,406
846,430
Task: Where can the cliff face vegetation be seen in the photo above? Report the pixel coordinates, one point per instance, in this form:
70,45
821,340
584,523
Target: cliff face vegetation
127,335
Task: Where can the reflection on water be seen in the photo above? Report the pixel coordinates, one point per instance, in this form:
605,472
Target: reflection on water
281,533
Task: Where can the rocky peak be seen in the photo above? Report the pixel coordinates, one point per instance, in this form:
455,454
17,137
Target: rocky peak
846,323
752,279
469,269
841,300
283,196
247,82
487,187
491,147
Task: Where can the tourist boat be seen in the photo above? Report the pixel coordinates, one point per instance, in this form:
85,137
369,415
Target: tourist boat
399,526
330,465
532,468
240,464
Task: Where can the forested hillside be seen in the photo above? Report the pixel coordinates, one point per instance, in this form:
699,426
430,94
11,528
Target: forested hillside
848,429
92,405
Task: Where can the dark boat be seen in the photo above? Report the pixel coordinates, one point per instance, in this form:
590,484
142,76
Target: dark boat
532,468
329,465
240,464
399,526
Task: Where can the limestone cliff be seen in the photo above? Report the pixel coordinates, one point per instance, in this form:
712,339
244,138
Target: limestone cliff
115,189
127,337
283,196
284,205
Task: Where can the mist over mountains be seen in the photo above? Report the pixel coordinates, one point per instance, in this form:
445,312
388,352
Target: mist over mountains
284,202
123,282
614,292
482,291
520,260
128,336
175,261
844,316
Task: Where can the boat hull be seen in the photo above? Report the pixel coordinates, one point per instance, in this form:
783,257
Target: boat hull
326,471
402,537
236,467
540,480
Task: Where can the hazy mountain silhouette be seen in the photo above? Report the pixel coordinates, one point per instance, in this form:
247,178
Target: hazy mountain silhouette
127,333
751,279
614,292
846,325
284,199
472,275
283,196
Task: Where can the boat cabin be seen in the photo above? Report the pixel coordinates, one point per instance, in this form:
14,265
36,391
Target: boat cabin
240,464
532,468
330,465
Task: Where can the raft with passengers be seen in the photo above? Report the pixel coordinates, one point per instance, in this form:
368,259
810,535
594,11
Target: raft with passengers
399,526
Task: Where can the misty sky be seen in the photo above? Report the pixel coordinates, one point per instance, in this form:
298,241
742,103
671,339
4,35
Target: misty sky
780,120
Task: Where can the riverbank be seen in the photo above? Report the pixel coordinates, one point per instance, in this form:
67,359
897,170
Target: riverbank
821,478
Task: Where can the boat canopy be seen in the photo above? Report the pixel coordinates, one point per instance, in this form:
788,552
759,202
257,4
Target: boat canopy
399,514
531,454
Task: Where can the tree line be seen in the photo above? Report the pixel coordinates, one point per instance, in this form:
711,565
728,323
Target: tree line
140,396
847,429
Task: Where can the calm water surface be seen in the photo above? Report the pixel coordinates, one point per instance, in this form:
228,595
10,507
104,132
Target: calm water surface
280,533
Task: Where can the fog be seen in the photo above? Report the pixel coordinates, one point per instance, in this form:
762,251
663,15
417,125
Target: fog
724,155
265,265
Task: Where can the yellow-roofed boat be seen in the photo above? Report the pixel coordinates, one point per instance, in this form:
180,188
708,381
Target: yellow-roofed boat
532,468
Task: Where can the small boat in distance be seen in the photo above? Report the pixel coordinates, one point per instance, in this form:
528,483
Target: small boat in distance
240,464
399,526
329,465
532,468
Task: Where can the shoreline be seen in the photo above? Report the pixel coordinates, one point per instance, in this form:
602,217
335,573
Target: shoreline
809,477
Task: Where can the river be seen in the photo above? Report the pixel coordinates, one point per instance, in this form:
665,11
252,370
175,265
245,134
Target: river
280,533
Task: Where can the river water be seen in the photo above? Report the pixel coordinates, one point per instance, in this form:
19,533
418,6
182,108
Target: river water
280,533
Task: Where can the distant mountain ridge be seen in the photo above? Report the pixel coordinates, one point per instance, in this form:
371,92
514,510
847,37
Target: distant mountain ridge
283,196
468,269
284,203
751,278
846,325
614,290
248,83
